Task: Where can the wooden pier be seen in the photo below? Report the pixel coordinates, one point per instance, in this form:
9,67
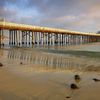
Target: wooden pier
21,35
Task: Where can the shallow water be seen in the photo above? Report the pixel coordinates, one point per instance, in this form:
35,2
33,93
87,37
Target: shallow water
35,74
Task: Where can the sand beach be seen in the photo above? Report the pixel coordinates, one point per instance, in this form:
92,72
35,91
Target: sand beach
37,75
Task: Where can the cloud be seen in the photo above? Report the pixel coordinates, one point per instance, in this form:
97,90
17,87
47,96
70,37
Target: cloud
90,18
68,14
7,13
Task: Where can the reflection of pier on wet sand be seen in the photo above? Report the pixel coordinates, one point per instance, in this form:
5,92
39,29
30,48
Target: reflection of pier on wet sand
47,61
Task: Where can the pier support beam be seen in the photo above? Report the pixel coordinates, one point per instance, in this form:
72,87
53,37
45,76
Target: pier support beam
0,38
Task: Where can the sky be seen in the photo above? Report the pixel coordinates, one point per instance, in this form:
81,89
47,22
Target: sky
75,15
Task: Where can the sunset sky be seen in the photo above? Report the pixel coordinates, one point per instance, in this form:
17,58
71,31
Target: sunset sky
76,15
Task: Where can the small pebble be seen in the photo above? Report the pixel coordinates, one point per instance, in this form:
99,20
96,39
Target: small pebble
73,86
77,77
96,80
1,65
68,97
21,63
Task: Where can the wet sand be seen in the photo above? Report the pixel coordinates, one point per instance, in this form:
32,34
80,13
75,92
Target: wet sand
47,86
94,47
44,76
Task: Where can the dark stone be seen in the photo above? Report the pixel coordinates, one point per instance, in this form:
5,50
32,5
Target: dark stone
77,77
21,63
68,97
96,80
73,86
1,65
